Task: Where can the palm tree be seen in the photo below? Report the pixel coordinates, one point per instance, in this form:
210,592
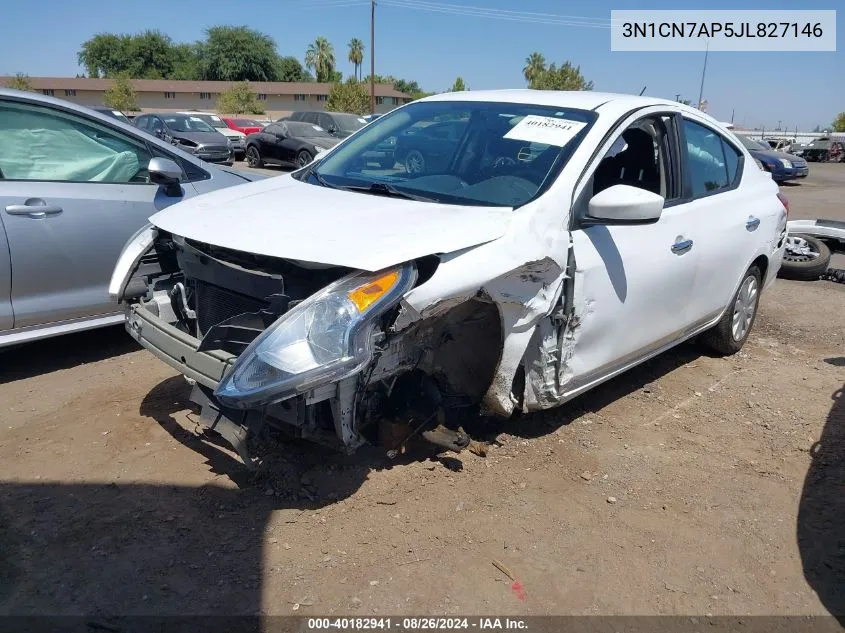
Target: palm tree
320,57
535,65
356,55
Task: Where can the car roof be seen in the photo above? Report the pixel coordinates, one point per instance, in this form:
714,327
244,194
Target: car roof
581,99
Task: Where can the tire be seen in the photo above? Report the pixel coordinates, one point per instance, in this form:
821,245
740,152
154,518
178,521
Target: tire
805,266
303,158
253,157
729,335
414,162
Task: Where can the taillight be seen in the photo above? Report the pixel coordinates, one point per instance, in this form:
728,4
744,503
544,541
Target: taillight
784,201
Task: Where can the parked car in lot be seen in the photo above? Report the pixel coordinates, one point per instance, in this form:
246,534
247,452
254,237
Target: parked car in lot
287,143
74,186
244,126
780,165
338,124
566,239
824,150
115,114
236,137
428,148
189,133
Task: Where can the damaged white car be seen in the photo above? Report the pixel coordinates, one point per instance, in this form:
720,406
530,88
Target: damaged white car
543,243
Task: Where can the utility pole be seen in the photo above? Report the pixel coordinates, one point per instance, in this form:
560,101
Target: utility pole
678,97
733,110
703,70
372,56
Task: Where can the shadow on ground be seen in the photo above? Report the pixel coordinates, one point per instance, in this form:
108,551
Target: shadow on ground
63,352
821,513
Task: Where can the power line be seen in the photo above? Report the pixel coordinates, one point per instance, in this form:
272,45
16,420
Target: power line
500,14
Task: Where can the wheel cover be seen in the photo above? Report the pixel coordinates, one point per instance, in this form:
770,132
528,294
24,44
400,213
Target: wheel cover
744,308
414,163
799,250
252,156
302,159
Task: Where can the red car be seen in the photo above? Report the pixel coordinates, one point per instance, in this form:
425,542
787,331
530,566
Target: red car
247,126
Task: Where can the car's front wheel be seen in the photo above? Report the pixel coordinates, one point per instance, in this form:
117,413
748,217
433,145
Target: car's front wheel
730,333
415,162
253,157
303,158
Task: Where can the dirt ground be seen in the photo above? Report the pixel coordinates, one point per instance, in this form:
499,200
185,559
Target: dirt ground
690,485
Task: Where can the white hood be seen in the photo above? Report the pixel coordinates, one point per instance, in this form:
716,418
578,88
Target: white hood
282,217
230,133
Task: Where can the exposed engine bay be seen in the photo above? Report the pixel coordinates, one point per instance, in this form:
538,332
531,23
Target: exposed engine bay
421,382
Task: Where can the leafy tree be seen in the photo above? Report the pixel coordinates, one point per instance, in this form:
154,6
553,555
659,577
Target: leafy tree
685,101
121,95
186,64
20,82
239,99
535,65
839,123
564,77
408,87
147,55
150,55
459,85
102,55
356,56
291,70
238,53
351,96
320,57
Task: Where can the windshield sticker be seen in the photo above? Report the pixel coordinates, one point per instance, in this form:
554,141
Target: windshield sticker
117,113
195,118
546,130
214,117
317,127
362,120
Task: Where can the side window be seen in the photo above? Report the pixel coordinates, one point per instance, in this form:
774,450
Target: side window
276,128
708,166
638,158
731,161
155,126
38,143
190,172
325,121
141,122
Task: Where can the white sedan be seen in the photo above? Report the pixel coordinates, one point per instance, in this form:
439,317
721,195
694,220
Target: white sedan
543,243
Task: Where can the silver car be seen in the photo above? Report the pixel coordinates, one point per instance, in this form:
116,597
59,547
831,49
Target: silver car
75,185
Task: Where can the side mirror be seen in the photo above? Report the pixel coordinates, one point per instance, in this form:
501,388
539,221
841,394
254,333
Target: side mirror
159,133
166,173
623,204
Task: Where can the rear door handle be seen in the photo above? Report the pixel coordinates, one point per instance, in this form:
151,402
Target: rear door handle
680,248
33,210
752,223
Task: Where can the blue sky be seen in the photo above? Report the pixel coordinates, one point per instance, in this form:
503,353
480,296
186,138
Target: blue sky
803,89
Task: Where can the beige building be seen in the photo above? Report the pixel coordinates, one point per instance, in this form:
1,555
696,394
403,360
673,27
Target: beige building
164,95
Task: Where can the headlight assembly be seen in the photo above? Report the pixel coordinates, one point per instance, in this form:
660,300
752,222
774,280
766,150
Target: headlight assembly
785,163
324,339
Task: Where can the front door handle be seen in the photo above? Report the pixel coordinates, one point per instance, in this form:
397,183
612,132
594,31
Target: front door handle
679,248
34,209
752,223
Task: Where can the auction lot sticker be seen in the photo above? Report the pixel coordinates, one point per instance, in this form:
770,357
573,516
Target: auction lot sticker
545,129
758,30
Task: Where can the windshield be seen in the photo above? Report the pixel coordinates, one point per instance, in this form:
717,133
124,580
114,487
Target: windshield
185,123
751,144
305,130
349,122
471,153
212,119
247,123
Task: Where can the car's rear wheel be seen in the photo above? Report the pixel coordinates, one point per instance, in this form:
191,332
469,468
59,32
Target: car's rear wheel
303,158
253,157
415,162
730,333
